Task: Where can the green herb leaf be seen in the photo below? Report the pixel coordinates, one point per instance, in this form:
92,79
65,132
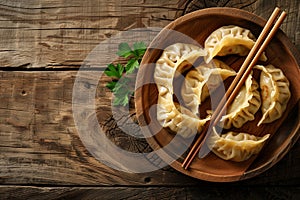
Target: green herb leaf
122,92
131,66
123,100
122,88
120,69
139,49
122,84
124,50
114,70
111,85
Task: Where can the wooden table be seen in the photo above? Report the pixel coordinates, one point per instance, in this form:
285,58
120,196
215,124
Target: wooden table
43,44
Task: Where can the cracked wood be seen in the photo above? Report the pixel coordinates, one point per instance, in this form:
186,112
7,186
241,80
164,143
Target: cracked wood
60,33
40,143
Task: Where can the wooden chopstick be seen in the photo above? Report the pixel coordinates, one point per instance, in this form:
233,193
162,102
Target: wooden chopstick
246,73
253,56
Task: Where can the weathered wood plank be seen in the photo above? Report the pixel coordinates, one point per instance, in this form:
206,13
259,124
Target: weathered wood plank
40,142
61,33
114,193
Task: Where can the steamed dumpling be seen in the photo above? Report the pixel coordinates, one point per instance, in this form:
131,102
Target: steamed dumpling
275,93
176,57
229,40
197,81
235,146
244,106
179,119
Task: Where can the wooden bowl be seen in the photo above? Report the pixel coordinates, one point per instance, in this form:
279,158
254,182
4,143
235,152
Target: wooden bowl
195,28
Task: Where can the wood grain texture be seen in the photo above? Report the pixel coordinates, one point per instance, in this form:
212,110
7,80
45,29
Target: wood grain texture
40,143
39,140
41,152
163,193
61,33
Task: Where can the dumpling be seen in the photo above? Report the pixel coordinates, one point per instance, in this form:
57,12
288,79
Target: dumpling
197,81
174,58
229,40
179,119
244,106
191,90
275,93
177,57
216,72
235,146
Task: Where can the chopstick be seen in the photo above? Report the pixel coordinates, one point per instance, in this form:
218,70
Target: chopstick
253,56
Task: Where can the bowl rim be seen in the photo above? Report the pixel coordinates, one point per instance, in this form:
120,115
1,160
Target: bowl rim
259,21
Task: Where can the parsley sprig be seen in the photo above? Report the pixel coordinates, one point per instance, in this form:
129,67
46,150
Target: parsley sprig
121,85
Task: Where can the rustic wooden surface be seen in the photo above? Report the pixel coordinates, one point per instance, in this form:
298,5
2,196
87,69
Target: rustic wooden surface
42,45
